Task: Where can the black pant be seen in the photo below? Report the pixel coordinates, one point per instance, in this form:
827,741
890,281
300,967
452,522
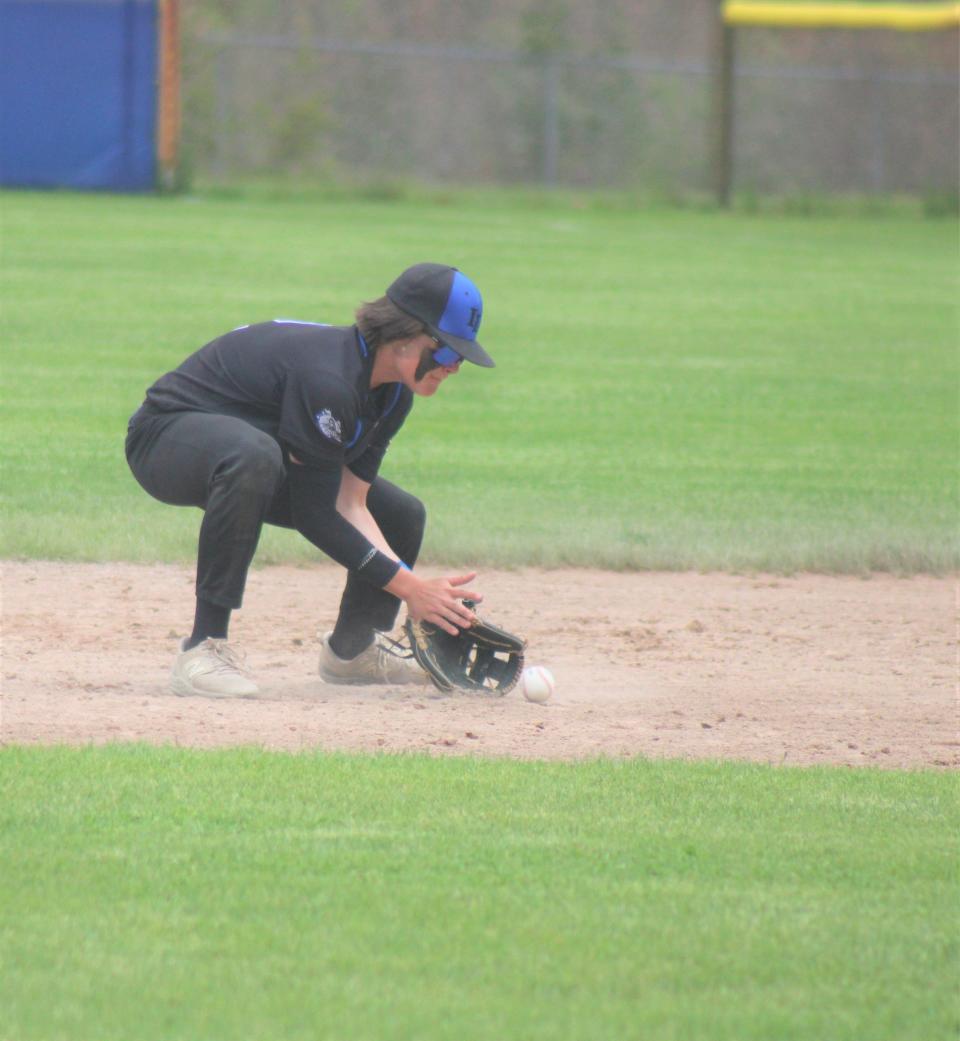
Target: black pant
235,473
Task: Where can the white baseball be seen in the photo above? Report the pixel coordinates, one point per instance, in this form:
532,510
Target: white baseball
537,684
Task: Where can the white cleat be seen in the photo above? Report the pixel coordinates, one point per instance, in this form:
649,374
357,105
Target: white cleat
377,664
212,669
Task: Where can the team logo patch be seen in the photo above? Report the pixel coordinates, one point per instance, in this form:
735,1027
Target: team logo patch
329,426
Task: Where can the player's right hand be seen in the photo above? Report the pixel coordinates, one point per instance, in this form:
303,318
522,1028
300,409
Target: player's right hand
438,600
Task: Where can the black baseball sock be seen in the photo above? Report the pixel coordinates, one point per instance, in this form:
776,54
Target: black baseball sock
210,622
347,642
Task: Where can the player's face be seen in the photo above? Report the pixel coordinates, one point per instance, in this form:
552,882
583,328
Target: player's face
435,362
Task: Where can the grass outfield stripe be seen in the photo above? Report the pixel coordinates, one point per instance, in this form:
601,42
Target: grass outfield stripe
164,893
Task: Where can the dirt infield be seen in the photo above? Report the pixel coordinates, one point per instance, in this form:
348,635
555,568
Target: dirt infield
800,670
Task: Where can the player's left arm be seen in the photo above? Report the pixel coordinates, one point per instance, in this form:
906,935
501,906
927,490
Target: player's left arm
352,506
439,600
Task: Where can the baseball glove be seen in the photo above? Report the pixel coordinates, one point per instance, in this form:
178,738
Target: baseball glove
483,657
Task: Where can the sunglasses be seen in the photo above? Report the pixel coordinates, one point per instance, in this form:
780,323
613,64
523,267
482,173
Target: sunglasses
444,354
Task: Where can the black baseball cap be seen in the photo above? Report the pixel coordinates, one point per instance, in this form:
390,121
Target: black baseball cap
447,303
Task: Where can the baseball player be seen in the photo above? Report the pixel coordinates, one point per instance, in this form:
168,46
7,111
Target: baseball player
287,423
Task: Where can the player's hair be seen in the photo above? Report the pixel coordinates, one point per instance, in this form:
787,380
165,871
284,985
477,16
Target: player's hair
381,321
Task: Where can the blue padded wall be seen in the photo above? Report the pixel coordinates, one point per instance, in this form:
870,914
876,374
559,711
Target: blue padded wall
78,93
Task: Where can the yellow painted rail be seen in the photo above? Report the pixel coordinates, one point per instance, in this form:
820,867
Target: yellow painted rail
906,17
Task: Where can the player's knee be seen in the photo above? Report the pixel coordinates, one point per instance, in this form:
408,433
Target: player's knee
256,467
414,514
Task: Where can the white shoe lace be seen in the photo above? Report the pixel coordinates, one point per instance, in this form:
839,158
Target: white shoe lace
388,648
395,648
222,658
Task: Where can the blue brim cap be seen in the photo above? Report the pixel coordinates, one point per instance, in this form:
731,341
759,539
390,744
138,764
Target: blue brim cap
447,303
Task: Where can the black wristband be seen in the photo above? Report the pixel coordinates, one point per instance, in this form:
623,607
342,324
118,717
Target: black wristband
377,568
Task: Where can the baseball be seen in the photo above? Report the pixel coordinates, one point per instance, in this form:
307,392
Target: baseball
537,684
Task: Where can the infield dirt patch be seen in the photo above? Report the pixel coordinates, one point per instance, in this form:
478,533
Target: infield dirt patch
801,670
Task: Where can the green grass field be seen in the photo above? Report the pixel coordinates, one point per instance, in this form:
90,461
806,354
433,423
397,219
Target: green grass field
675,389
170,894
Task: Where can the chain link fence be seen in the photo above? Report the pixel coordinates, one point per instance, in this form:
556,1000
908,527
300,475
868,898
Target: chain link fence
828,111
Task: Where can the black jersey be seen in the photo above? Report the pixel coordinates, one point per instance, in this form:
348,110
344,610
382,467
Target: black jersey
305,384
